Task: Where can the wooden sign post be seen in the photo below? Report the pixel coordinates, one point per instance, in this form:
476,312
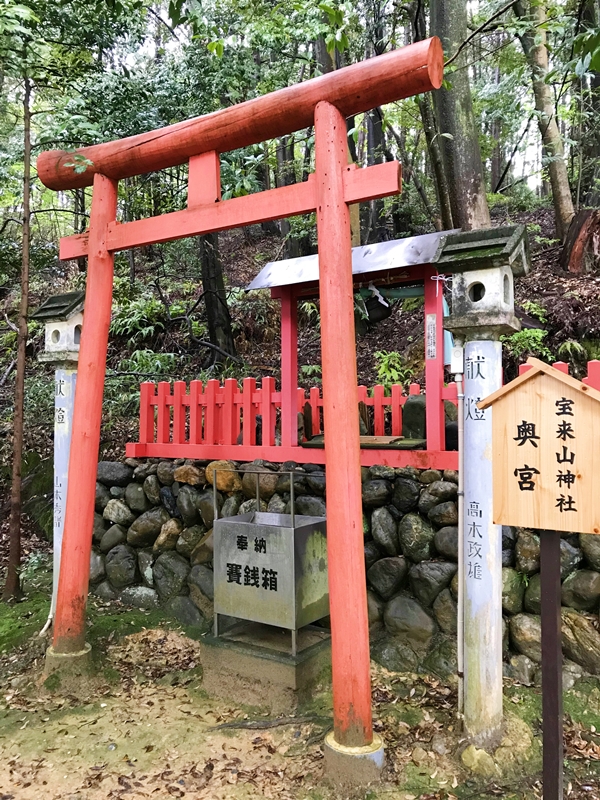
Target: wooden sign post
545,429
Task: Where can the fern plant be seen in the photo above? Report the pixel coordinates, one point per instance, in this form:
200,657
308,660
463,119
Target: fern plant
138,319
528,342
311,371
572,351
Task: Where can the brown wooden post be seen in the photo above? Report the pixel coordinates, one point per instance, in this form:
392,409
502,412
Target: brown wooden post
552,691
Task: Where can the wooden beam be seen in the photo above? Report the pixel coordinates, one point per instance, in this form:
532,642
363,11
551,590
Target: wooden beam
204,179
381,180
400,73
372,183
74,246
422,459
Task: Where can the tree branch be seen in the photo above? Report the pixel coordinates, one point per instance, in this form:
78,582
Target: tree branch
6,221
160,19
10,324
479,30
7,372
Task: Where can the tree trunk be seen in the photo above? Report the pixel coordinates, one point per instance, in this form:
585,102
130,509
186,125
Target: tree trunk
432,137
377,231
437,161
12,587
581,252
410,174
80,222
454,108
286,177
269,227
322,57
217,312
533,40
589,145
495,134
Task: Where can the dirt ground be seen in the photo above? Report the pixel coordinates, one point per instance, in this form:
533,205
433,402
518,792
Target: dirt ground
145,728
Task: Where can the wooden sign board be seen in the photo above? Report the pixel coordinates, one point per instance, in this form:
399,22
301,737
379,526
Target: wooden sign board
546,451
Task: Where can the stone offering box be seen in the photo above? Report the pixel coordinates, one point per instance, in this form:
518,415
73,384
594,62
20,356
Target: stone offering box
271,568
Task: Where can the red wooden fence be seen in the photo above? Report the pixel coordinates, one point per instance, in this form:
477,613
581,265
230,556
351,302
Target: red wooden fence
210,420
593,372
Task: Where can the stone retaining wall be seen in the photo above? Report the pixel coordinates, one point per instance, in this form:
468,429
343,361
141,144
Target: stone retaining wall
152,547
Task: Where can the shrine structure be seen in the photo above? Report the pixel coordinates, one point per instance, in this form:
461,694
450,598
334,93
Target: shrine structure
324,102
219,420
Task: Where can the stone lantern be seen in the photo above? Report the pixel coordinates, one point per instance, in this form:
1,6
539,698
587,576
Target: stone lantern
62,315
483,264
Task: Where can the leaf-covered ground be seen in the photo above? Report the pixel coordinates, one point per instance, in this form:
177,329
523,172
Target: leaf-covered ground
144,727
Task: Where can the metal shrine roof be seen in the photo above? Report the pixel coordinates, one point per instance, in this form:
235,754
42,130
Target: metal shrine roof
397,254
452,251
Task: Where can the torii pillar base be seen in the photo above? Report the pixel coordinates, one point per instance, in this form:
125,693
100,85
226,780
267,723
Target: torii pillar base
69,666
353,766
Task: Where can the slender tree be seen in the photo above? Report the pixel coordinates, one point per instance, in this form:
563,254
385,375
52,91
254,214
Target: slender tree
220,333
533,38
12,587
454,107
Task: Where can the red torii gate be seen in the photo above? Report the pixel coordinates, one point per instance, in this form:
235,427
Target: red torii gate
325,101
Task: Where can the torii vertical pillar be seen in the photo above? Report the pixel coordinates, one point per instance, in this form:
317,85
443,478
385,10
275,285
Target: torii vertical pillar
69,647
352,752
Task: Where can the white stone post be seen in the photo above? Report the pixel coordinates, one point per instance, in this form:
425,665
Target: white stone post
482,550
64,396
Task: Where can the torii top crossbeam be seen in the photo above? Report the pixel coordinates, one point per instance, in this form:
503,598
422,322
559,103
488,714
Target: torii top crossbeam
352,90
324,102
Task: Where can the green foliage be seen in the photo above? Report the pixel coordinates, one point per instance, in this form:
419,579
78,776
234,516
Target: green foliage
412,303
138,319
360,308
254,313
309,312
572,351
586,47
535,310
304,228
392,368
240,171
150,363
592,349
527,342
311,371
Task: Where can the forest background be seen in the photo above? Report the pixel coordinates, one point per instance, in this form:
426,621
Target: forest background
513,136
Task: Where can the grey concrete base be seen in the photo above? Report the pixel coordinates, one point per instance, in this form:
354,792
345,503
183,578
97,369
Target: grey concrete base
69,665
251,664
353,766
